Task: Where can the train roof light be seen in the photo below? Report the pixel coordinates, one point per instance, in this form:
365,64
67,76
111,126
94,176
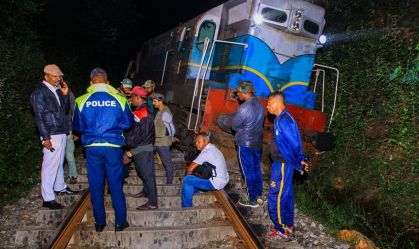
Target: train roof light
322,39
258,19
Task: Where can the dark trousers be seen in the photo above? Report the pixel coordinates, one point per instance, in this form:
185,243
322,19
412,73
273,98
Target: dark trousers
107,161
144,165
250,163
165,156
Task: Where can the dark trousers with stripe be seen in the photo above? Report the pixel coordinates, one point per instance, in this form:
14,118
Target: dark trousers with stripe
250,163
106,161
281,196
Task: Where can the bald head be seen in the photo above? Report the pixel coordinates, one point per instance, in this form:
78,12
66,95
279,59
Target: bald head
276,103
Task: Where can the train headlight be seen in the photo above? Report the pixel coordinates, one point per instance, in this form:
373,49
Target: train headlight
298,15
322,39
258,19
296,26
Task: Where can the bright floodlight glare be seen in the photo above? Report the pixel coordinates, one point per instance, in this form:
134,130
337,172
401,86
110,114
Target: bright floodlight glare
322,39
258,19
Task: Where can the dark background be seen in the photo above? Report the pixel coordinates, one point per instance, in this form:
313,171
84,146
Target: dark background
108,33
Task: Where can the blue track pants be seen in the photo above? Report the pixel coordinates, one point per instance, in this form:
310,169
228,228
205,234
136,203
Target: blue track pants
101,162
249,160
280,196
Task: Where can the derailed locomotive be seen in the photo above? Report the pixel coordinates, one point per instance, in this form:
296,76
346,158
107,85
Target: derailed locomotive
272,43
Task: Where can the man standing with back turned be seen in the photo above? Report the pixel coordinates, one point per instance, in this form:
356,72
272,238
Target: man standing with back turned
248,124
50,104
101,116
287,155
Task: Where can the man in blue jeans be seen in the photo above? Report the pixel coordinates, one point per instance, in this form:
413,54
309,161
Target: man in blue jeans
101,116
193,184
248,124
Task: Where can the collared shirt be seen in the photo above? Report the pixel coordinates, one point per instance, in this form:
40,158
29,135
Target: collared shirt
53,90
214,156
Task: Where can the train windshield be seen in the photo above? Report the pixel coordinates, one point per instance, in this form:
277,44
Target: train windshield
311,27
207,30
274,15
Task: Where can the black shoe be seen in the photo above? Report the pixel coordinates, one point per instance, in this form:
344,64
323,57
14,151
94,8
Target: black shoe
147,206
52,205
119,228
139,195
73,180
67,191
100,227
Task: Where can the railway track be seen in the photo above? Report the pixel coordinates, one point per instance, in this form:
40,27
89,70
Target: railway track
213,222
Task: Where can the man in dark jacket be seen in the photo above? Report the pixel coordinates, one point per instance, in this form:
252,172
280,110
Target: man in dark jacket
50,104
140,140
101,116
248,124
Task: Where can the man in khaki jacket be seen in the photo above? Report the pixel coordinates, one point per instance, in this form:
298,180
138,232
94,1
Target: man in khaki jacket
165,131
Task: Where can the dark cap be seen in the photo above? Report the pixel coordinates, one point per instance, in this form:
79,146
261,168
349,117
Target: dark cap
158,96
98,72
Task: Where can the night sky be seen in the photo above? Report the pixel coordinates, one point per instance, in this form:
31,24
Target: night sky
107,33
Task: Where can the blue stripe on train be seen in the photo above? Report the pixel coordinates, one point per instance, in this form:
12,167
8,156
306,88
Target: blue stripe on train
260,65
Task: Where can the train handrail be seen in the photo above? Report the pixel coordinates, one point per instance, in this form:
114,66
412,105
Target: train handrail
336,90
241,227
204,53
318,71
205,75
66,229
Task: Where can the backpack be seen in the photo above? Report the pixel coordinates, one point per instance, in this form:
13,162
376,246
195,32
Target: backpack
205,171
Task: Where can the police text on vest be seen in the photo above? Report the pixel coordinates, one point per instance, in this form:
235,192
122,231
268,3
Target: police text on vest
100,103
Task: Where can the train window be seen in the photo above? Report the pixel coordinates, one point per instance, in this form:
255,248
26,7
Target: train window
274,15
207,29
311,27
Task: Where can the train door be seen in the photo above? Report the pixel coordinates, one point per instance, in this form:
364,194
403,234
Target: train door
205,35
207,29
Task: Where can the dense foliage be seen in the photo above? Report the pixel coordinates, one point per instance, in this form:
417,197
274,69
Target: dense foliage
20,64
369,182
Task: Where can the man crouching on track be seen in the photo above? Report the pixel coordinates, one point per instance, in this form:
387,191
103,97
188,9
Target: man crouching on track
193,184
287,155
101,116
140,140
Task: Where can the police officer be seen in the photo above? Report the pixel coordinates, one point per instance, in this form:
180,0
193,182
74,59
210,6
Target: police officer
101,116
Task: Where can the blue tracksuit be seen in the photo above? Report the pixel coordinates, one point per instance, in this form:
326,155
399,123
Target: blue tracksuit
289,155
101,116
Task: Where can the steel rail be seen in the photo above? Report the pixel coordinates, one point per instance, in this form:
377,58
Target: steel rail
70,225
241,227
